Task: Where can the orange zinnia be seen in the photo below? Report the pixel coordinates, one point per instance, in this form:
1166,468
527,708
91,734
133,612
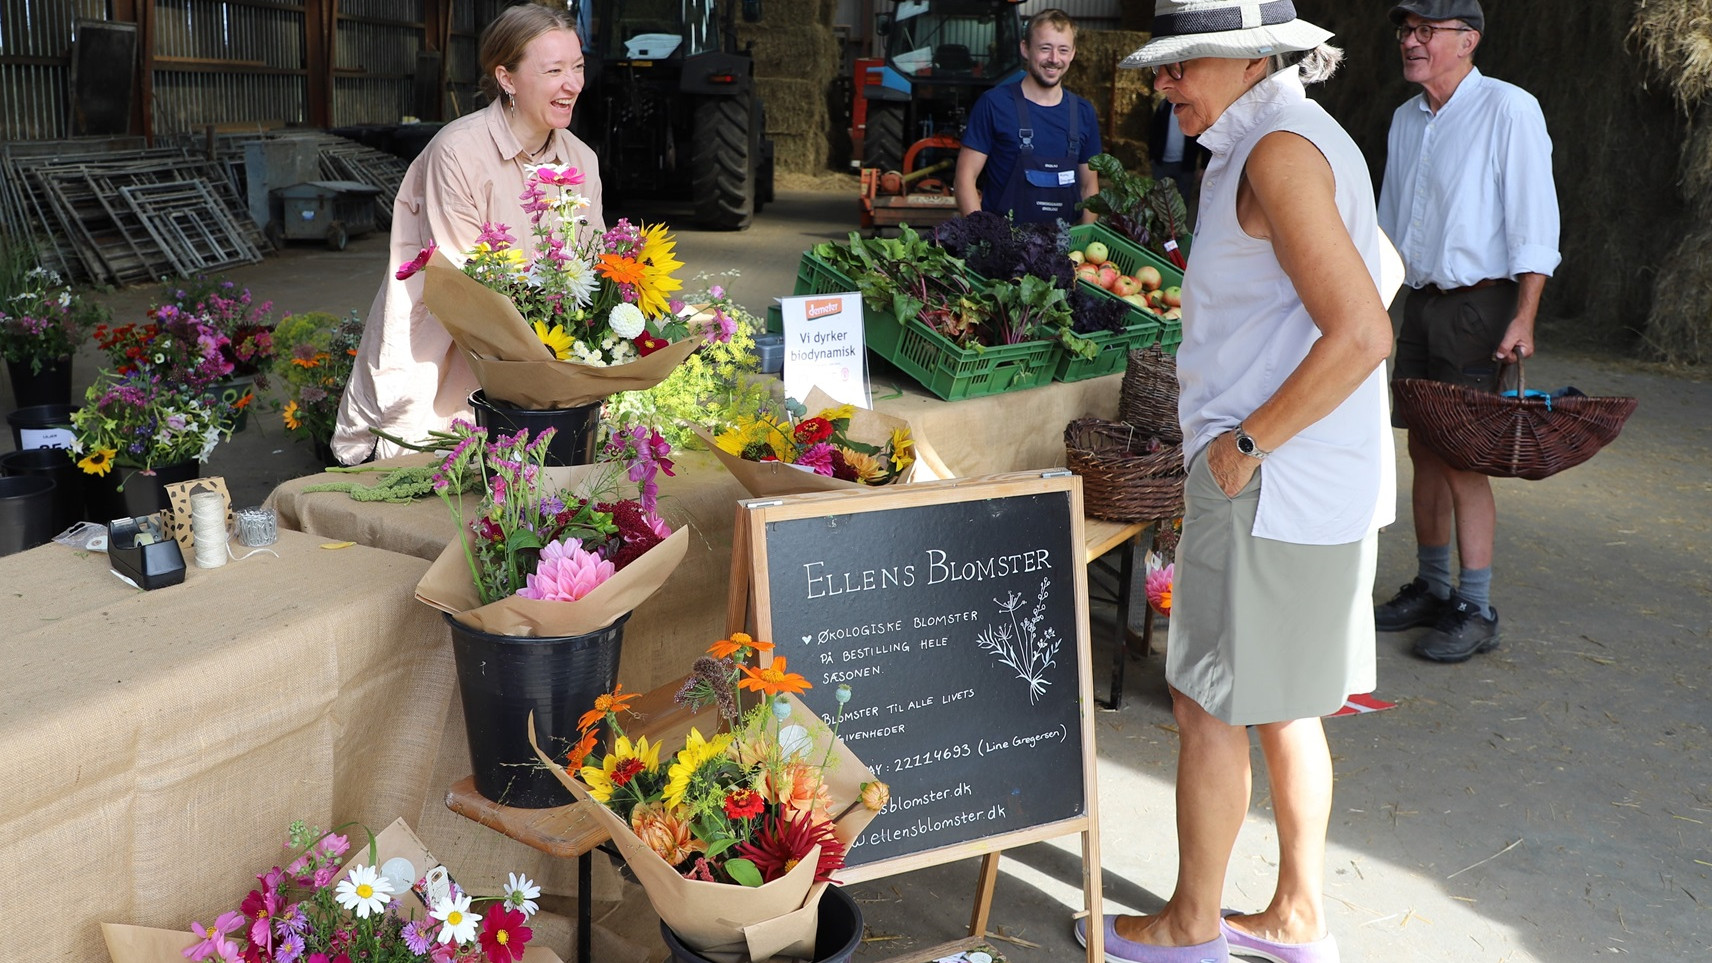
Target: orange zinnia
773,679
620,269
726,648
615,701
311,362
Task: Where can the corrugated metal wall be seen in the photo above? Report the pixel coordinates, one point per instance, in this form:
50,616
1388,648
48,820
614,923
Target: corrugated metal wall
228,63
35,40
375,60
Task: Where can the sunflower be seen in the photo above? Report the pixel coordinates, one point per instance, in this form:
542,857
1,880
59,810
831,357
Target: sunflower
658,262
903,449
99,462
757,440
556,338
696,754
868,469
290,414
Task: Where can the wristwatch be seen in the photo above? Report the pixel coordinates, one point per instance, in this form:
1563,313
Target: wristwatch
1248,446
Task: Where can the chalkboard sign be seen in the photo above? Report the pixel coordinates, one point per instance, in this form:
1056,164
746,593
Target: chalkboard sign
956,613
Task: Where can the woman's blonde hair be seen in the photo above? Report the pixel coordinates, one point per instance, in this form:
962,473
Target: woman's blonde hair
504,40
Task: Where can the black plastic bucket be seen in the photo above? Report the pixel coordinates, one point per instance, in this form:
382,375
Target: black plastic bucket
52,463
142,494
26,512
49,386
503,678
575,441
836,937
41,426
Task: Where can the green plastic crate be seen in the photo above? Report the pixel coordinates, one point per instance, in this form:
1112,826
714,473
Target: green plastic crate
815,276
955,373
1129,258
1171,335
1114,346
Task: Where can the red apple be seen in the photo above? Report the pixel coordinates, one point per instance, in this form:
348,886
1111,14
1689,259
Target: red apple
1088,273
1125,285
1109,275
1174,296
1149,277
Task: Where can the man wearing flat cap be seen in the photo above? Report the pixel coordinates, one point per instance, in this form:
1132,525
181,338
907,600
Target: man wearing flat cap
1469,201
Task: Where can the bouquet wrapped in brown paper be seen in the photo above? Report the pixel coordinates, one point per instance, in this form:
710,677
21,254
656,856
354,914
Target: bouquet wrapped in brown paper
551,551
391,900
815,446
588,314
737,833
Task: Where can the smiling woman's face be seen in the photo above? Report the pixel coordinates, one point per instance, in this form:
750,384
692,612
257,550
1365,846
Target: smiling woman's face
1209,85
548,78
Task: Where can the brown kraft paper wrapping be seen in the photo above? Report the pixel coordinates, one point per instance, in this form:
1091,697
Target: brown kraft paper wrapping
512,364
728,923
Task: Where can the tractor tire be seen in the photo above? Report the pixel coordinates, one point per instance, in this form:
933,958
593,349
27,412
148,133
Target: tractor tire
883,145
723,175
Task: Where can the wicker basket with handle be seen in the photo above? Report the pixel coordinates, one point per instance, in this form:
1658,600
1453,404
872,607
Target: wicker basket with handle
1148,396
1509,434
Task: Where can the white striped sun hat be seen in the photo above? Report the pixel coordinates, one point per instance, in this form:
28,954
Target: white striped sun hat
1239,29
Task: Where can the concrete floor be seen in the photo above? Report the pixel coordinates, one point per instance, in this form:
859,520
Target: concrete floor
1550,801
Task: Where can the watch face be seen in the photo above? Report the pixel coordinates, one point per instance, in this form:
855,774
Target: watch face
1245,444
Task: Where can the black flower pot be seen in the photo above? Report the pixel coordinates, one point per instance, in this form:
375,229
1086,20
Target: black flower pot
50,386
574,442
129,493
503,678
57,464
231,392
42,426
836,937
26,512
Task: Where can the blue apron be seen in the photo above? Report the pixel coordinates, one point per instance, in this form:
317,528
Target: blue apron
1040,188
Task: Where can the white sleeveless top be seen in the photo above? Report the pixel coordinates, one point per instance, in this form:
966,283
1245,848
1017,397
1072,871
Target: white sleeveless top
1245,330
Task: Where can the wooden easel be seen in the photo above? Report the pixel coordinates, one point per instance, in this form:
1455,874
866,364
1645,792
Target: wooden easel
749,610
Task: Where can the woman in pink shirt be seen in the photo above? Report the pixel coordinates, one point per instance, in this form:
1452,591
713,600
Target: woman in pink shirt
410,377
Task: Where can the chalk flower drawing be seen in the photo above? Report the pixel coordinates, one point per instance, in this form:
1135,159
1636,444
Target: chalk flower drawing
1024,644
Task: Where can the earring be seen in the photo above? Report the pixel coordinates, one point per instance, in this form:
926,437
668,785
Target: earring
513,96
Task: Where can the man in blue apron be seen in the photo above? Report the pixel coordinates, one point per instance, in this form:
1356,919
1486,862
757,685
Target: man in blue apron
1026,149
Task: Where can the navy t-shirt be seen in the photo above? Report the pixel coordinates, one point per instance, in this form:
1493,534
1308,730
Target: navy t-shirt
992,130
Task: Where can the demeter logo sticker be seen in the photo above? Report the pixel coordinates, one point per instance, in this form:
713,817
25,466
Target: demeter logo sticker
821,309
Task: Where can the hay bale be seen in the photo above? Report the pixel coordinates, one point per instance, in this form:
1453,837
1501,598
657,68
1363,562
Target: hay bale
1676,37
800,153
800,51
794,106
1680,327
1121,98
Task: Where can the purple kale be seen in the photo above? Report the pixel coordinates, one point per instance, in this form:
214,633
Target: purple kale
1094,312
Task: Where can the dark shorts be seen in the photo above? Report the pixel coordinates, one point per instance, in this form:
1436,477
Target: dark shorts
1451,337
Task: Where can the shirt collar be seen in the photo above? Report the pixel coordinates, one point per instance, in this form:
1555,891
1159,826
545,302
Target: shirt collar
506,140
1252,109
1469,83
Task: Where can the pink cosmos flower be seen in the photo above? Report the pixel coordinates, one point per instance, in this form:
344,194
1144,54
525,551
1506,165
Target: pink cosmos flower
566,573
417,263
214,941
566,176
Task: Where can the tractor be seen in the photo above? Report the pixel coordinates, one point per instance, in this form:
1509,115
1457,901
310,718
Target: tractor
670,106
940,57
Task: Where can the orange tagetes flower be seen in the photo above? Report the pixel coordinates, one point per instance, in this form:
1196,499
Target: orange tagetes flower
615,701
772,680
726,648
584,746
314,361
620,269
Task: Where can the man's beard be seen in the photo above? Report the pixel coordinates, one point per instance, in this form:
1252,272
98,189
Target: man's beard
1034,72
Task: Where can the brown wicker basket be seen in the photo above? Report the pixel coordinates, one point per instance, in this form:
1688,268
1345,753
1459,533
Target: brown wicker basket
1509,436
1148,398
1121,479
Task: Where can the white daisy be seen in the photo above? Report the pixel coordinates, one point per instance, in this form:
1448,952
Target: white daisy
520,893
626,320
460,922
365,891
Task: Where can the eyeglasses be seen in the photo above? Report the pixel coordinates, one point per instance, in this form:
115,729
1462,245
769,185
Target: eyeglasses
1423,32
1174,71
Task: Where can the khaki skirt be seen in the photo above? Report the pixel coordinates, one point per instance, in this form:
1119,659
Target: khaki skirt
1263,630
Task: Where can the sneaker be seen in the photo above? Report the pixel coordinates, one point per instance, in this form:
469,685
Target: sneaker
1413,605
1460,633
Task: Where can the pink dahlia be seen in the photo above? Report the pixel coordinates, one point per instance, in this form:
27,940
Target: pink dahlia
566,573
1159,588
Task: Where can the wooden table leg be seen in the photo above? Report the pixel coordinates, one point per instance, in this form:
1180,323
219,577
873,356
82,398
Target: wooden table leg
585,911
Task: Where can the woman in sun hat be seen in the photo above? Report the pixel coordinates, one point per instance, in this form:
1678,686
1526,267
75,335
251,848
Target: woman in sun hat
1284,414
409,377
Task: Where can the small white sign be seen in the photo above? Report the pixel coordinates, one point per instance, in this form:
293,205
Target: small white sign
824,347
46,437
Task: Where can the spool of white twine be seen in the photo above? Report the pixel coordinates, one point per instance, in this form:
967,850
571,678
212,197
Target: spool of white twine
208,527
